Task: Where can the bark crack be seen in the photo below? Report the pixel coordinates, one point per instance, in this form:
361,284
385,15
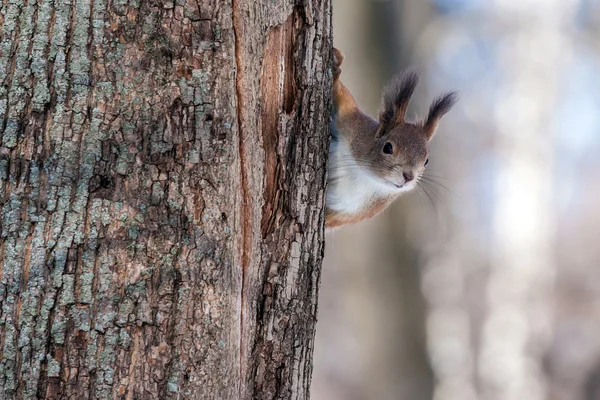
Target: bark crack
246,211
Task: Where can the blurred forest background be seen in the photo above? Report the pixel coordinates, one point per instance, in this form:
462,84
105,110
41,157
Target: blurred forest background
491,289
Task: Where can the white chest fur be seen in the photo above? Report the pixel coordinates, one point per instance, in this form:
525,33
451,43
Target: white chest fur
351,186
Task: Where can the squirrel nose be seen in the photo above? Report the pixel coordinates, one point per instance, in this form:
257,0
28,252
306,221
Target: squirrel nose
408,176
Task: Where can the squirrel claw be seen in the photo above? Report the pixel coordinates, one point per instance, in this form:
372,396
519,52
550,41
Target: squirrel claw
338,58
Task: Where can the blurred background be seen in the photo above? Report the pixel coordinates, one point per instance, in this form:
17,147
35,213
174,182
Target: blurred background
486,283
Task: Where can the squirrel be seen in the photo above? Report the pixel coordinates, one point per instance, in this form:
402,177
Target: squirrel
372,162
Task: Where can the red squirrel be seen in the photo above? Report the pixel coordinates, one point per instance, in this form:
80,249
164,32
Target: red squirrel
372,162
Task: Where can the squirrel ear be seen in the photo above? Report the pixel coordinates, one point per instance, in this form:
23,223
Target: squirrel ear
396,97
438,108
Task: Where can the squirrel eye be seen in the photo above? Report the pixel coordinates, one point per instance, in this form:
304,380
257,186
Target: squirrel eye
426,162
388,148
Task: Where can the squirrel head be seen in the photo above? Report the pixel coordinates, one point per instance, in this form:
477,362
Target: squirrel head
397,154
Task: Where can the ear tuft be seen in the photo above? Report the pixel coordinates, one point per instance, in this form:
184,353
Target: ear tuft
396,97
438,108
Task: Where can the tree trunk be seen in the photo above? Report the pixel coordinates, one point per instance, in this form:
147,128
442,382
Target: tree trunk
162,171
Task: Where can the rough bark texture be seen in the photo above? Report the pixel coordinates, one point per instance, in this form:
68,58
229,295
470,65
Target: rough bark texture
162,169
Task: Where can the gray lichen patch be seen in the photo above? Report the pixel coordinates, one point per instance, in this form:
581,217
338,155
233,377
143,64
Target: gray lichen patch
53,367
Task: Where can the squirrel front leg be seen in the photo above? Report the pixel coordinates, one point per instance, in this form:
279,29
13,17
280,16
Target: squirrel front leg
344,103
346,114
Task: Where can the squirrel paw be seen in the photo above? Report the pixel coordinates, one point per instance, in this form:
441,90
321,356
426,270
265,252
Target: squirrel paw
338,58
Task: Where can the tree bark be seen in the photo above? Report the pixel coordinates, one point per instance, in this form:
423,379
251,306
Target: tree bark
162,171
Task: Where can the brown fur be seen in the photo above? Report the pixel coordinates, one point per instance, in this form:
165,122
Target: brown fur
367,139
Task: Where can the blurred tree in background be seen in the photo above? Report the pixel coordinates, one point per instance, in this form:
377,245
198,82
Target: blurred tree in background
484,283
